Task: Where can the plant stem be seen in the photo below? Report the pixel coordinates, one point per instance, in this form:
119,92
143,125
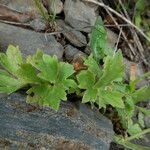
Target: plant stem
39,6
137,135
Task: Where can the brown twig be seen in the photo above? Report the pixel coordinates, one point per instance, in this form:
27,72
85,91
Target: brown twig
123,34
118,39
119,15
135,36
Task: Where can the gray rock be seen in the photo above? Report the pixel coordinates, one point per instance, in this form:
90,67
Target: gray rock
38,24
79,15
55,6
21,5
73,36
71,52
145,141
73,127
26,12
29,41
147,121
112,38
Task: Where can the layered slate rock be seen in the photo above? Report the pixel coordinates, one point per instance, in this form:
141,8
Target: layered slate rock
29,41
75,126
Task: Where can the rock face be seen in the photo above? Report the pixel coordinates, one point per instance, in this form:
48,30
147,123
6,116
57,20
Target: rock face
73,127
21,5
79,15
29,41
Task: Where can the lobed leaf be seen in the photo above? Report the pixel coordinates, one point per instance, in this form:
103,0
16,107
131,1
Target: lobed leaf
134,129
9,84
113,98
86,79
113,70
28,73
98,41
11,60
47,95
141,95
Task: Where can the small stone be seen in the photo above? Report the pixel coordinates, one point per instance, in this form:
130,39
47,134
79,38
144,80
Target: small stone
112,38
71,52
22,6
79,15
73,36
55,6
38,24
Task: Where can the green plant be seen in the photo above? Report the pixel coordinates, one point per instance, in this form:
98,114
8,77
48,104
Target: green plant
140,12
48,17
109,87
48,78
50,81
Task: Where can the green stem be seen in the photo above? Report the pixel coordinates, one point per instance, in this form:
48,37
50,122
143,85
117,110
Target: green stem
137,135
39,6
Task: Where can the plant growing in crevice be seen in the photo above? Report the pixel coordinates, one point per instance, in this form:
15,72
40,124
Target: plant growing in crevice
101,83
45,14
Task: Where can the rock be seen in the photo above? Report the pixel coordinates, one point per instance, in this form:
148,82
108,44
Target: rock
145,141
24,11
29,41
147,121
74,37
21,6
73,127
112,38
139,72
55,6
79,15
38,24
71,52
11,15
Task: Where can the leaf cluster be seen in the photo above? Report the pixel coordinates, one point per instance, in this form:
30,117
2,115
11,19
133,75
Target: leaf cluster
48,79
48,17
106,86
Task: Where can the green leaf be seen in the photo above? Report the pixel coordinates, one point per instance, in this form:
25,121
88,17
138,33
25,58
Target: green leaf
141,95
35,59
70,83
113,70
48,68
90,95
27,73
122,141
55,78
47,95
86,79
93,66
144,110
11,60
127,112
98,41
141,119
9,84
134,129
113,98
65,71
